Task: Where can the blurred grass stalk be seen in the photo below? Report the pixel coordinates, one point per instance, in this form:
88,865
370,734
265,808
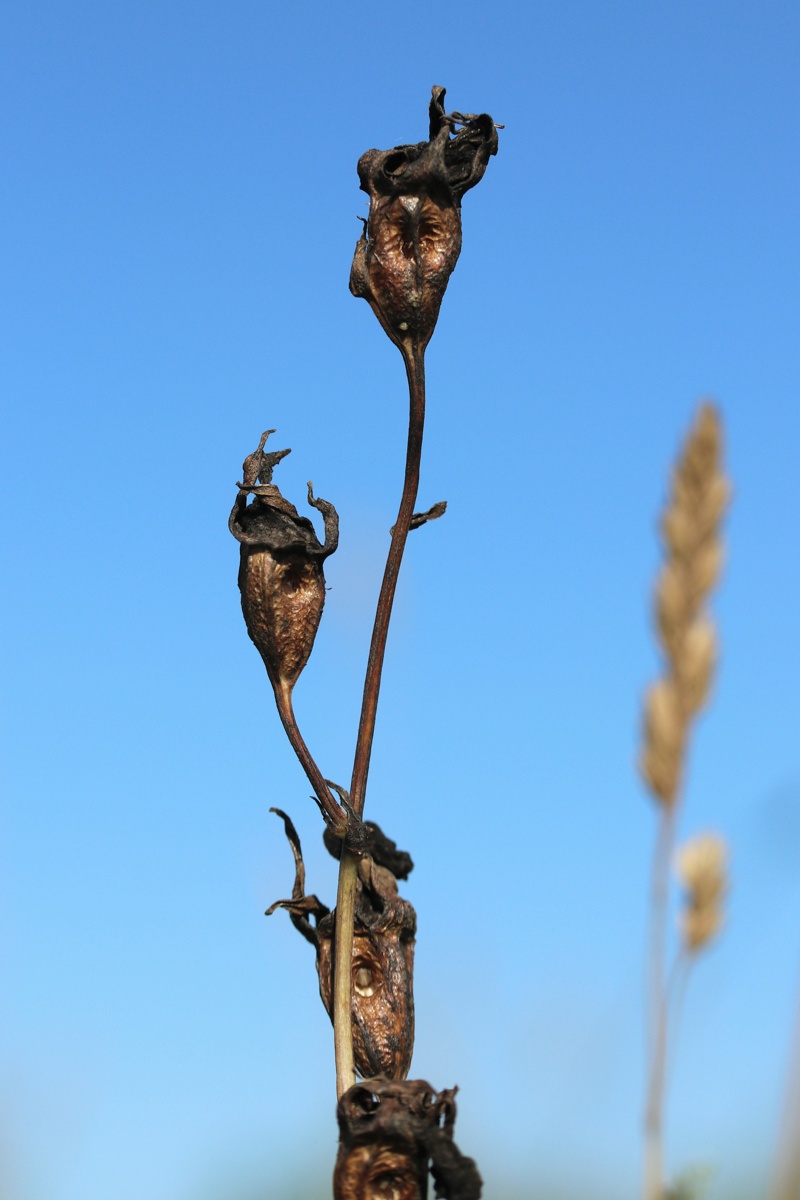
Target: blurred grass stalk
786,1184
690,528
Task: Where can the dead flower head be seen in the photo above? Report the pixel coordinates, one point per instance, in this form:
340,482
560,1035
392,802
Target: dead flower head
280,574
412,238
391,1134
383,950
701,866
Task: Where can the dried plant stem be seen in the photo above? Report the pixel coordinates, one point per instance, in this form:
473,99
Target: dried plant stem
415,370
786,1184
691,531
666,1007
414,360
657,1008
330,809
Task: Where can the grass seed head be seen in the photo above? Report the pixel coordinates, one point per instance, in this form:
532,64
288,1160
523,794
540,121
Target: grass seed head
693,561
701,865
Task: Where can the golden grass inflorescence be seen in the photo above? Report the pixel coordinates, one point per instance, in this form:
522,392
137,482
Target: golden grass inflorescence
691,531
701,865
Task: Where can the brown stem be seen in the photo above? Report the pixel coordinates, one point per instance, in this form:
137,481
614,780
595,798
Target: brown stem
658,1009
334,815
415,370
414,360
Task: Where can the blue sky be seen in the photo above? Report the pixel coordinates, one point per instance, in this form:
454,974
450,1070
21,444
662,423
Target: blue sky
179,215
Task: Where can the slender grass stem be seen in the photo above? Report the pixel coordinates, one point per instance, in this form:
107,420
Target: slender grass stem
657,1008
348,867
786,1184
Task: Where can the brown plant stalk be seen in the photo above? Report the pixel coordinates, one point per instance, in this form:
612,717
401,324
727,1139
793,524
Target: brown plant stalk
404,258
348,867
392,1131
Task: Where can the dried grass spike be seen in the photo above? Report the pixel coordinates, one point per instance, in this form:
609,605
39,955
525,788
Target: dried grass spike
694,557
701,866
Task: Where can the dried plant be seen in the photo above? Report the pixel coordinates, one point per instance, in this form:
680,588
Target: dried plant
691,531
786,1182
690,527
701,866
390,1135
391,1131
382,1013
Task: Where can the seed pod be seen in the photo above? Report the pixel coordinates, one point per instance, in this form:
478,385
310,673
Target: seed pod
412,238
383,973
390,1133
383,952
280,574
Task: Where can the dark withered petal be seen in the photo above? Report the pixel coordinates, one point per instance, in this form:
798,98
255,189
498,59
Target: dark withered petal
381,849
451,162
412,238
301,906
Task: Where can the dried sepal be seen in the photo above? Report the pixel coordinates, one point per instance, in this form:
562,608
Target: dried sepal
381,849
391,1134
281,578
433,513
382,968
301,907
412,238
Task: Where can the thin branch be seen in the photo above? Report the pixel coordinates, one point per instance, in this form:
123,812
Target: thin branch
786,1184
348,867
334,815
658,1008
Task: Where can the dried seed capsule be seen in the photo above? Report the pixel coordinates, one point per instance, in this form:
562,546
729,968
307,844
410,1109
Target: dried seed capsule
280,574
412,238
382,972
383,952
390,1134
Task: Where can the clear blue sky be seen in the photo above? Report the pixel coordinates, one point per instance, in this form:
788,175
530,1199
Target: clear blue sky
179,211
